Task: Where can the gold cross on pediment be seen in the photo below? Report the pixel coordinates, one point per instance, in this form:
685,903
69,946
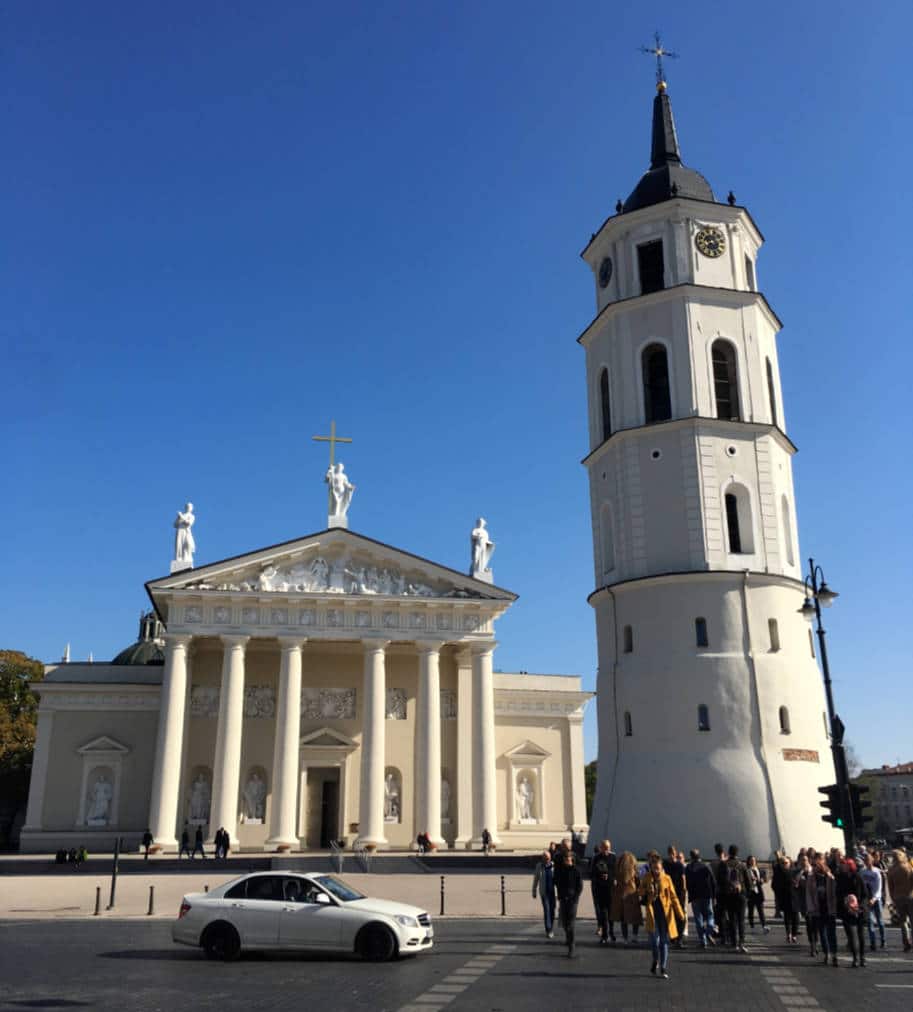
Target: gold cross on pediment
332,439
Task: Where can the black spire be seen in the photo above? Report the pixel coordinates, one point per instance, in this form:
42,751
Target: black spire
667,176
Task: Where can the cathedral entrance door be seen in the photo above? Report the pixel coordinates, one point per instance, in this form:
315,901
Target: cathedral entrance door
329,811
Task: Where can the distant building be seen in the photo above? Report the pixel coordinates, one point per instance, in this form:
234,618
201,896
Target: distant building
891,795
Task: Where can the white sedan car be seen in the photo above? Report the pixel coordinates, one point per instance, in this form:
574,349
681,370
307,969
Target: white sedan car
273,910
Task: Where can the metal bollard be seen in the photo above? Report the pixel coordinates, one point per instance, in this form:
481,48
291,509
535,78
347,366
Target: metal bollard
151,909
205,888
442,895
503,898
97,900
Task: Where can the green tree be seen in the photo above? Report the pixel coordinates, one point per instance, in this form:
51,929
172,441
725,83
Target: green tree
589,780
18,719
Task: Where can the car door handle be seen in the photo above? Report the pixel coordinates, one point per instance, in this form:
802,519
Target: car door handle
238,906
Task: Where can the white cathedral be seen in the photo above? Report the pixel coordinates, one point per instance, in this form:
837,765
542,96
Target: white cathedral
711,709
334,688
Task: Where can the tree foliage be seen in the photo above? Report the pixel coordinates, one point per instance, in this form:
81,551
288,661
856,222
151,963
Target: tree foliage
18,718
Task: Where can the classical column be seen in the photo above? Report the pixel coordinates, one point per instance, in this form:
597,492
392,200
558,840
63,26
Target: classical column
464,750
39,777
282,834
427,772
227,765
575,761
484,739
166,773
373,704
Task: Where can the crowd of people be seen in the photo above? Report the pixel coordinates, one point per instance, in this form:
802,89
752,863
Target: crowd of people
722,893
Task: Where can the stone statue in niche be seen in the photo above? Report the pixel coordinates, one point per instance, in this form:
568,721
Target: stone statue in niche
525,796
184,545
255,799
445,800
200,799
482,550
341,490
99,807
391,798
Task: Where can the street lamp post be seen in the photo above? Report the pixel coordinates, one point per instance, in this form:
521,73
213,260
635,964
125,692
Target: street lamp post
817,593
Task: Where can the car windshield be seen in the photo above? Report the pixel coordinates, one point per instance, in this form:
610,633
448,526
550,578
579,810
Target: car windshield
336,887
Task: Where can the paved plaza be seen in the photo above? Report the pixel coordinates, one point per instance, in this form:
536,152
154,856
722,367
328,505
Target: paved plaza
495,964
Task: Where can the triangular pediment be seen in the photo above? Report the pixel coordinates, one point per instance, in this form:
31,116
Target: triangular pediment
103,744
332,562
527,750
327,737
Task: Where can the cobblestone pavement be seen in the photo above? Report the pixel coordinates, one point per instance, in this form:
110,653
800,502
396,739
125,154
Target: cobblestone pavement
498,965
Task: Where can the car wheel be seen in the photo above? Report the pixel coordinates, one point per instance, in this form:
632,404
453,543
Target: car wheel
221,941
375,943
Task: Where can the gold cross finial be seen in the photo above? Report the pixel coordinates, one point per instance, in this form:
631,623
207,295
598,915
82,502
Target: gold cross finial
659,52
332,439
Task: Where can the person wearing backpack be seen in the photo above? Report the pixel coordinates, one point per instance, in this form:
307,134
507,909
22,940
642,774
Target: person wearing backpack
735,892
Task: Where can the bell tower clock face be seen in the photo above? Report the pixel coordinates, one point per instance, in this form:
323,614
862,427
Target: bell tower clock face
711,242
605,272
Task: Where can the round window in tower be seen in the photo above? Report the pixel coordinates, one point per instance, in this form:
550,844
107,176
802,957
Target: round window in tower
731,450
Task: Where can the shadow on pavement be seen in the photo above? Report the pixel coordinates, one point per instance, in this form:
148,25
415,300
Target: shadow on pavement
193,955
46,1003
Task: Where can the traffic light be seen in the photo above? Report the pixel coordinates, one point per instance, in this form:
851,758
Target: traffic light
857,800
833,809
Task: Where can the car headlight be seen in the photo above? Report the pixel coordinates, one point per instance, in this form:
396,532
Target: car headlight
406,921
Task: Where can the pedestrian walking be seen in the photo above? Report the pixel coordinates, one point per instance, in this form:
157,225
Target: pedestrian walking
185,843
625,897
755,897
874,915
852,904
486,842
674,867
544,885
735,889
821,900
801,874
719,909
147,842
663,913
569,886
198,844
602,884
701,888
221,842
900,886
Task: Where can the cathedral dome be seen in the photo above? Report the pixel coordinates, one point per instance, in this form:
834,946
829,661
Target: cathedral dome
149,647
667,176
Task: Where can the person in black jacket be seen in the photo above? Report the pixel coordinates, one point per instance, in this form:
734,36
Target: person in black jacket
602,883
569,886
675,869
701,887
732,878
147,842
852,907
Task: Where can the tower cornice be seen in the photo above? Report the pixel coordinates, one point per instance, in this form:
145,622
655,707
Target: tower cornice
728,296
684,576
731,426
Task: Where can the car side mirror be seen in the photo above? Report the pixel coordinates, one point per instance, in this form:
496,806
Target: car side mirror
323,898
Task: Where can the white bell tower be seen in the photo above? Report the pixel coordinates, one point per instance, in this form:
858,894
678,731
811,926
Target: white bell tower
712,723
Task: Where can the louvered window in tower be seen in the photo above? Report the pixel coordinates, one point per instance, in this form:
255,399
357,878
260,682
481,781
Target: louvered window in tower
725,380
605,404
655,367
650,266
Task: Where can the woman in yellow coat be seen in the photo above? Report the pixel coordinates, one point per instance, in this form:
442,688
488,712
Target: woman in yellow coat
662,908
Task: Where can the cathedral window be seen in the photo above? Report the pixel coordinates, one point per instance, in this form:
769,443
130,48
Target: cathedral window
703,717
629,728
604,404
784,721
657,400
608,540
650,265
771,394
749,273
629,639
725,380
773,631
738,520
787,531
700,632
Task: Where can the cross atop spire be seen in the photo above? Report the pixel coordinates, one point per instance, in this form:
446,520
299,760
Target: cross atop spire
659,52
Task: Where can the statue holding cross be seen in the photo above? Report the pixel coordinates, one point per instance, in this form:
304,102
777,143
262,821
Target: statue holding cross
340,488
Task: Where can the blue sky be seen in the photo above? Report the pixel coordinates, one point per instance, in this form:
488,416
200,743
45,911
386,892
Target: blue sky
226,224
